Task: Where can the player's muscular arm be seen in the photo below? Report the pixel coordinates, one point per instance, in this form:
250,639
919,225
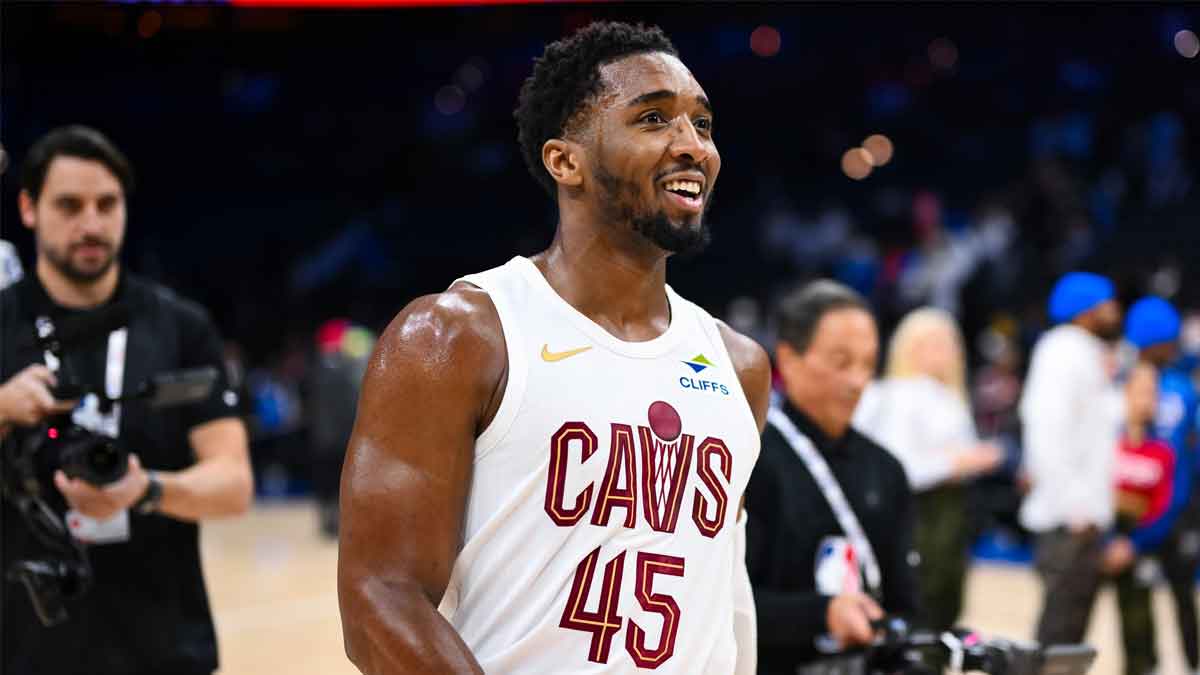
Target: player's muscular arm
754,373
433,384
753,369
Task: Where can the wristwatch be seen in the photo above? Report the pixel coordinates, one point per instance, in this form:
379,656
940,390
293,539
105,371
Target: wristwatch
150,499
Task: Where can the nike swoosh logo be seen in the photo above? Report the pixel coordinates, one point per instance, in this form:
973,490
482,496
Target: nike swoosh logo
551,357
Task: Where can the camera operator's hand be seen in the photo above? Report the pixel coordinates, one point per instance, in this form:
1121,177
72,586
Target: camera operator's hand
25,399
105,502
849,618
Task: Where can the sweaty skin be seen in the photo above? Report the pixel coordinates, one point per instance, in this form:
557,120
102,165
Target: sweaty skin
439,371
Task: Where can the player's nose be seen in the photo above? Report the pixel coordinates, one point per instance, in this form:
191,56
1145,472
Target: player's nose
686,142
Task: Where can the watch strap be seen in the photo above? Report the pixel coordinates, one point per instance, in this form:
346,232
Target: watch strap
153,495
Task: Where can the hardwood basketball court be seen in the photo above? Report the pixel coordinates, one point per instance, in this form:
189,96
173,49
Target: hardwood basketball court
273,586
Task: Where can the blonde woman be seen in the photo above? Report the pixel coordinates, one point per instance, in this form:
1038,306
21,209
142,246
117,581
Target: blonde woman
919,412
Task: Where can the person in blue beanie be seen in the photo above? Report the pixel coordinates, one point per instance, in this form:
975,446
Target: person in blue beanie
1071,414
1153,327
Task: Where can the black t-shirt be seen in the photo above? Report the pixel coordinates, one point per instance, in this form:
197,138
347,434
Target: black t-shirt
147,610
790,521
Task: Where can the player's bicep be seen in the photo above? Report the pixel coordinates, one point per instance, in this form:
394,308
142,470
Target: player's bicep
410,456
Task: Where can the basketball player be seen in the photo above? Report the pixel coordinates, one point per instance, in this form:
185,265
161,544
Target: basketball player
548,460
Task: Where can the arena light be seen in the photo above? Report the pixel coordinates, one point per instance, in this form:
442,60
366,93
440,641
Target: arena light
943,54
149,24
450,100
765,41
856,163
366,4
880,148
470,75
1187,44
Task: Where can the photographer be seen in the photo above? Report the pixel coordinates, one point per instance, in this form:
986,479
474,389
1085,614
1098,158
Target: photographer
146,610
830,514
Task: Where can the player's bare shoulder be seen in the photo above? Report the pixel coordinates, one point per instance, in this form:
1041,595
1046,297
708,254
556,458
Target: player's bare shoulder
452,340
753,368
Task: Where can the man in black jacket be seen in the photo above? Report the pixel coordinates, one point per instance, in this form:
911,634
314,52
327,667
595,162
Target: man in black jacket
812,587
147,609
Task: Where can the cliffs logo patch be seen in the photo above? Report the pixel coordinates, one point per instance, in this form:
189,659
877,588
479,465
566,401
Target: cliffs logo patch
698,363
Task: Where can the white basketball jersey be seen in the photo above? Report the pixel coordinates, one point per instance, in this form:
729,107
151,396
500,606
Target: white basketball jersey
600,525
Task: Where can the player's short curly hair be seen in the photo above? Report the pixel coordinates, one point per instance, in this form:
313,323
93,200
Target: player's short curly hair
567,76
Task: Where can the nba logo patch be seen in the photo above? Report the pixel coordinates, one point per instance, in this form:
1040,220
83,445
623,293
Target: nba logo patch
837,567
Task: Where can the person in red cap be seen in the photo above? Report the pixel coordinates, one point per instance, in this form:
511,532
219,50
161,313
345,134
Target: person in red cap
340,361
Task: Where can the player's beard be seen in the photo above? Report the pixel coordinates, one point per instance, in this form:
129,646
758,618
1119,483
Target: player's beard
618,202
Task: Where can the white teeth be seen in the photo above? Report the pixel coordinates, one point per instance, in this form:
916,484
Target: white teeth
684,185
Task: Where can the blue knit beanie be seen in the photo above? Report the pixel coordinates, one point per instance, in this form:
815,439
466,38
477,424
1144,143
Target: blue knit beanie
1151,320
1076,293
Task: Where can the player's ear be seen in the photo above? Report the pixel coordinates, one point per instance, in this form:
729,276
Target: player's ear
562,159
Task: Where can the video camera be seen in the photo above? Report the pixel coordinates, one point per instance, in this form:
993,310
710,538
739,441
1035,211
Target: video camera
59,443
900,649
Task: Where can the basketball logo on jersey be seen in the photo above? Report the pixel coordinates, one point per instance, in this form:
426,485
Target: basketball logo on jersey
666,459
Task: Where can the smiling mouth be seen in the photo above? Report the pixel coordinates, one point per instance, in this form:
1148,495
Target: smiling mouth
685,193
683,188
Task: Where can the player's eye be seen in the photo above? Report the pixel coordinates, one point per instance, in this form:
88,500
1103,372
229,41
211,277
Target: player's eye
703,124
653,117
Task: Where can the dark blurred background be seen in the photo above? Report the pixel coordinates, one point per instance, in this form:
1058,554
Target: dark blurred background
296,165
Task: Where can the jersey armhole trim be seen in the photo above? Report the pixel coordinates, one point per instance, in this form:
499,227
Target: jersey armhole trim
514,388
710,327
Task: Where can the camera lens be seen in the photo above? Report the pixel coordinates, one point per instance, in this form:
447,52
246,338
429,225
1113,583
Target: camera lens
103,459
96,459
